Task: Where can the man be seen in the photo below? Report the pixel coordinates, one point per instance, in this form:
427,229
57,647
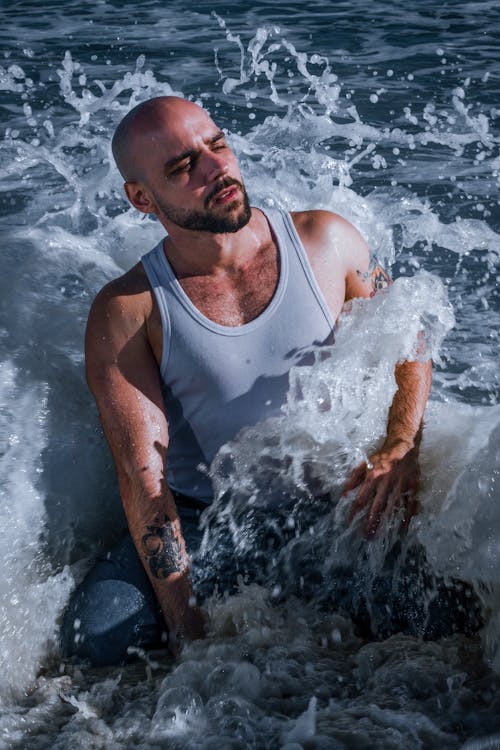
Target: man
196,341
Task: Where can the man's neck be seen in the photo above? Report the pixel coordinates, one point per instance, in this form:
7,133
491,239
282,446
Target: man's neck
193,253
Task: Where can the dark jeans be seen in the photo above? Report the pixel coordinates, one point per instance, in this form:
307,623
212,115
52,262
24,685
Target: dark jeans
115,607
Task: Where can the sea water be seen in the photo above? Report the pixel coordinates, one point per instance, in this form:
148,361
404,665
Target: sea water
384,113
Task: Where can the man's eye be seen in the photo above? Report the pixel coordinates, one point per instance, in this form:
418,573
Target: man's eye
184,167
219,146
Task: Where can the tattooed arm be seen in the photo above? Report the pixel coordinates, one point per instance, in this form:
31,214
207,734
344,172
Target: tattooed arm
162,548
389,479
373,280
123,375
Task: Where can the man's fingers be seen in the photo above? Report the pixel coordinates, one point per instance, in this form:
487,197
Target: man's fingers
396,498
384,485
404,499
355,479
363,498
365,471
410,510
378,506
381,492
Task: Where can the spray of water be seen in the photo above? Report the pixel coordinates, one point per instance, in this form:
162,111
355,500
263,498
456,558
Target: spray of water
30,597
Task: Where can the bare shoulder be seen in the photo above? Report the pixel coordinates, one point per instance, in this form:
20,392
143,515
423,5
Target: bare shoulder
325,234
122,352
119,325
122,301
318,222
337,249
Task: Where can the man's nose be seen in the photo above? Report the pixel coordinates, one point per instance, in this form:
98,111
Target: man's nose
217,166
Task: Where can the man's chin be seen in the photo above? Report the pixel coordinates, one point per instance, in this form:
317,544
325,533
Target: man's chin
229,218
236,215
217,219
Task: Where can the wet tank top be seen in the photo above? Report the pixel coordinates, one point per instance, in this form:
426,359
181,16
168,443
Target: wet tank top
218,379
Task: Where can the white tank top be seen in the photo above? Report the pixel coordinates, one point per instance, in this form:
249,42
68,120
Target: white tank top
218,379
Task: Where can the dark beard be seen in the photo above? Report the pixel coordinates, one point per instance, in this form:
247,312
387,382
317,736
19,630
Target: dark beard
207,221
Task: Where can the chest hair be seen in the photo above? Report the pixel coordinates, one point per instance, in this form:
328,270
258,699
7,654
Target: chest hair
239,295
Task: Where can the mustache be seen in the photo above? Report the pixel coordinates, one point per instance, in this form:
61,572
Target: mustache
224,182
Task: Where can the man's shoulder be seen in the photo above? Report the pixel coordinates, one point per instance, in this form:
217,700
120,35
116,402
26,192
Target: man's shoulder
129,287
121,300
317,220
325,232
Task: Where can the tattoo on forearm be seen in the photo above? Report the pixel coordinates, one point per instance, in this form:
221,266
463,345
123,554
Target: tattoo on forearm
162,549
376,275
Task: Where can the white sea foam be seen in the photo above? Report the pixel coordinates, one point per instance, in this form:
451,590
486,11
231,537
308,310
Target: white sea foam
30,598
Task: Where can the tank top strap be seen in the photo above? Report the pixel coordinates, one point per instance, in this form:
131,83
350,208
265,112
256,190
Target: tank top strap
158,276
287,236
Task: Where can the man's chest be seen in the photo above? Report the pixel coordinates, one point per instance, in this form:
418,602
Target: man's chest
238,296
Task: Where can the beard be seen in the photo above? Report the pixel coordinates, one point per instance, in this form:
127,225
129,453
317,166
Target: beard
209,220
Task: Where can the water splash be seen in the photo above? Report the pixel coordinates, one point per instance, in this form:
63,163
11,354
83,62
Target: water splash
30,598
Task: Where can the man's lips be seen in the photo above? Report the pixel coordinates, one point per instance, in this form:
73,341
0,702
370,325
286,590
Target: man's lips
226,193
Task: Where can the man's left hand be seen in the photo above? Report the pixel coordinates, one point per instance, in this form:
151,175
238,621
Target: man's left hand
388,481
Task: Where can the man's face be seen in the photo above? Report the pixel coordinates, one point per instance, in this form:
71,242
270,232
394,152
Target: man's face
192,174
230,213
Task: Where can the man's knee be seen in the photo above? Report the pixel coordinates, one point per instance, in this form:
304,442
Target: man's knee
105,617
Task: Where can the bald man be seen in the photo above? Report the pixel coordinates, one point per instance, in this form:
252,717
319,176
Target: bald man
196,342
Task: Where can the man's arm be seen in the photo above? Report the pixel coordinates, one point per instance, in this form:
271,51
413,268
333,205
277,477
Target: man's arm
341,263
390,478
124,378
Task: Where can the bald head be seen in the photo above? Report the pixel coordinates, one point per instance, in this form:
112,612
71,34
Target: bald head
177,165
138,128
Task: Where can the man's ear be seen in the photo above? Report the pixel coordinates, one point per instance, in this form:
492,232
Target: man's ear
139,197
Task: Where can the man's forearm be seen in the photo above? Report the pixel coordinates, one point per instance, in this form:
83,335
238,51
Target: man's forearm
163,552
389,479
156,530
408,406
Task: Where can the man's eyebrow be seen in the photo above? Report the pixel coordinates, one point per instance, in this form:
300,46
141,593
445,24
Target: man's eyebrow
217,137
191,152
